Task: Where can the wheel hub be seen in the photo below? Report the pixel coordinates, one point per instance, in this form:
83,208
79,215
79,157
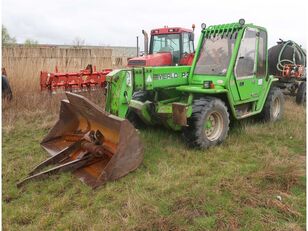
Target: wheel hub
213,126
276,107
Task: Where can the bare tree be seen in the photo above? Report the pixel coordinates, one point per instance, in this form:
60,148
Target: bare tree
31,42
78,42
6,38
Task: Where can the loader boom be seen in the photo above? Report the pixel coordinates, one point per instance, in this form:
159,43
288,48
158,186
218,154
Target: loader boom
123,83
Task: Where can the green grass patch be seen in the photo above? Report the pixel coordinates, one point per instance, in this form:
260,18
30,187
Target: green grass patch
233,186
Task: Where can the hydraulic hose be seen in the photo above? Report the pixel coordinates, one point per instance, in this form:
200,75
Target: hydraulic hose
296,50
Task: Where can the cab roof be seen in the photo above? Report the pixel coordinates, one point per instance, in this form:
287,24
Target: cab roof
170,30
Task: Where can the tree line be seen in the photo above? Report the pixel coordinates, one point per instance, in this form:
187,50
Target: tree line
7,39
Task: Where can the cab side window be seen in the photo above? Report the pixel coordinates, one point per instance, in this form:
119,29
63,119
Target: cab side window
187,45
245,64
261,67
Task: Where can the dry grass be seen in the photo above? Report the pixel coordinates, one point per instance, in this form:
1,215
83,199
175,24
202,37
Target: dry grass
23,66
41,106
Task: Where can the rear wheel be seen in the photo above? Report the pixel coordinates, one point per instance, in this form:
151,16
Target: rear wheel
6,89
301,94
208,124
274,106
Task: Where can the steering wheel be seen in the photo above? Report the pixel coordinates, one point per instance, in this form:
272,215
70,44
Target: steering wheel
166,49
171,48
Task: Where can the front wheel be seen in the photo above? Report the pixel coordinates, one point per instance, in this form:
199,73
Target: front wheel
208,124
141,96
274,106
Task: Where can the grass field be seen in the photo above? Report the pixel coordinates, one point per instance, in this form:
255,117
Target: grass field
230,187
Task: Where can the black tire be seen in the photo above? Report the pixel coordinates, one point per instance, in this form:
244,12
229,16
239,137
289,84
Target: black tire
274,106
141,96
301,94
6,89
204,111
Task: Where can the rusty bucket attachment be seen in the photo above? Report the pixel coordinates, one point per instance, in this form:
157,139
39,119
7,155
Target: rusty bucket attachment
96,146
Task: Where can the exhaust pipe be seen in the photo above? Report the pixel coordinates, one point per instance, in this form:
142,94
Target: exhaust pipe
146,39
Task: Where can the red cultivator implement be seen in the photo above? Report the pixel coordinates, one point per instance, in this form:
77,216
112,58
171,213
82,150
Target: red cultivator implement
86,80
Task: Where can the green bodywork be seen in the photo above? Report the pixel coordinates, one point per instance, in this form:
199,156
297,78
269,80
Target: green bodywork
177,86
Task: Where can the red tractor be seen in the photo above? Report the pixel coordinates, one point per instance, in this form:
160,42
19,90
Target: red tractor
169,46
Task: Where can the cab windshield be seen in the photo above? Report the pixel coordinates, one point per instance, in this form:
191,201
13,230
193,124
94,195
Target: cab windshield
215,55
166,43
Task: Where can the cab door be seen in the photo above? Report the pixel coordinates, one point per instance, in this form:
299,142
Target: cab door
245,66
261,62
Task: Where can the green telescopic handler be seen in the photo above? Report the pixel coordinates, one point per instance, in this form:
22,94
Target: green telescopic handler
228,78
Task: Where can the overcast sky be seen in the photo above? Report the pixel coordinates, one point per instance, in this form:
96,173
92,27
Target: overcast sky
115,22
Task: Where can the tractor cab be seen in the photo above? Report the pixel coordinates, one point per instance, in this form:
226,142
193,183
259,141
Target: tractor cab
169,46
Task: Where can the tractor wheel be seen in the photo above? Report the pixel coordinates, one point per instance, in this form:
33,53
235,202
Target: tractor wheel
208,124
6,89
301,94
141,96
274,106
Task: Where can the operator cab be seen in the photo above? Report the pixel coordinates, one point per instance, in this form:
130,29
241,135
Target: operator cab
177,41
169,46
246,70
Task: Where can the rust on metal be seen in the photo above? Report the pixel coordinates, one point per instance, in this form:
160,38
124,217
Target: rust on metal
179,116
88,79
96,146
